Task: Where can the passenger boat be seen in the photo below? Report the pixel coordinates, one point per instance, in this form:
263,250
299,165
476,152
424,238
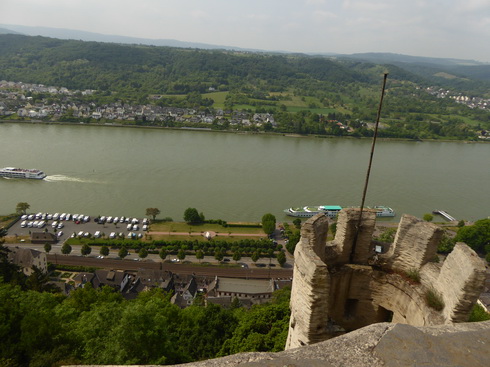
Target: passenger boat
332,211
12,172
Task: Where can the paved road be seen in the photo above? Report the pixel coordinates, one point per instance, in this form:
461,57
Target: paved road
176,268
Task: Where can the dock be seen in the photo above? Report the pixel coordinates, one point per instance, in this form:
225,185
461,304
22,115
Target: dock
445,215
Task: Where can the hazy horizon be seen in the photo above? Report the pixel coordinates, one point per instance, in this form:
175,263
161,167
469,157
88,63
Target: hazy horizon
418,28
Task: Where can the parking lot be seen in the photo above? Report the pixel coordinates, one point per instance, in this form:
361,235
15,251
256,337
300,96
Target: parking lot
64,226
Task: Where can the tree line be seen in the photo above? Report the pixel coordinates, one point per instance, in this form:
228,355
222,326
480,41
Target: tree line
42,327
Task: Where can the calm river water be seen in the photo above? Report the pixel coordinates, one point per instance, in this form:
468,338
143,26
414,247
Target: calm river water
122,171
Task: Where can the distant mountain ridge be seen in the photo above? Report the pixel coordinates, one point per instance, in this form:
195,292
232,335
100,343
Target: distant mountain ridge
63,33
375,57
386,57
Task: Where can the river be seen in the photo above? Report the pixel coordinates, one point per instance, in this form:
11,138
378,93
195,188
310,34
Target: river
236,177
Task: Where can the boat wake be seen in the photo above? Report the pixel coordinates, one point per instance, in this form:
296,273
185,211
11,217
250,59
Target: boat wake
63,178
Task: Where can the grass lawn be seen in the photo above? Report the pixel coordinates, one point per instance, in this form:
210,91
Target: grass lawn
13,239
5,220
217,97
184,227
221,237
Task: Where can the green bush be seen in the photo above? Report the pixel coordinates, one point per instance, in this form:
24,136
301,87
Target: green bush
414,275
478,313
434,299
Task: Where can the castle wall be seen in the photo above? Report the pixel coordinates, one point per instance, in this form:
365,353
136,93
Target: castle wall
347,234
461,281
341,283
415,244
310,289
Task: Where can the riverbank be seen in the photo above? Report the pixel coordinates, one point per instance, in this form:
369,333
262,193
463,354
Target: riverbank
239,132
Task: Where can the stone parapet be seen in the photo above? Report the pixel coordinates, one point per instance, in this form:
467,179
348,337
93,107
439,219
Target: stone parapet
344,283
460,282
415,244
310,290
348,236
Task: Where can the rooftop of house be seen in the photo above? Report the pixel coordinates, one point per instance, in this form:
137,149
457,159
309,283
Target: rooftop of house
248,286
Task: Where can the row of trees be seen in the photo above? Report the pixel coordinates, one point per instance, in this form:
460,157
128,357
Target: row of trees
182,251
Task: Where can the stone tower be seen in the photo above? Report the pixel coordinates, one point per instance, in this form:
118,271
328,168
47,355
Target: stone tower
345,284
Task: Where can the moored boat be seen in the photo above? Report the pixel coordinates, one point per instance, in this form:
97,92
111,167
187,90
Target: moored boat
332,211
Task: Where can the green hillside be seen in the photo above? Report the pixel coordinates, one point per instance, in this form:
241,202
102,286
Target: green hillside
306,94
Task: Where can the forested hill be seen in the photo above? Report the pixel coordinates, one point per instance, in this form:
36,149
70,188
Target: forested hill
104,66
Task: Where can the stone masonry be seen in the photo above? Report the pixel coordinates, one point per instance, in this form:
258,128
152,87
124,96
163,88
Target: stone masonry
344,285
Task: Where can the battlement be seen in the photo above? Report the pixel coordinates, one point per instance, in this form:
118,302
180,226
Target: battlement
343,285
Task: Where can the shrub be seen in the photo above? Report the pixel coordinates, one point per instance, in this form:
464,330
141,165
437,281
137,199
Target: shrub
478,313
434,299
414,275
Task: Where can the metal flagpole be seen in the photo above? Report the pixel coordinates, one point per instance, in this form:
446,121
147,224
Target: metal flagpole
369,169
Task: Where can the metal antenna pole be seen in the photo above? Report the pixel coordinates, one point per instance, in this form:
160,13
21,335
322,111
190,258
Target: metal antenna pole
358,227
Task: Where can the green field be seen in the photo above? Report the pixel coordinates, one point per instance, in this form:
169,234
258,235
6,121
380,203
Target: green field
217,97
185,228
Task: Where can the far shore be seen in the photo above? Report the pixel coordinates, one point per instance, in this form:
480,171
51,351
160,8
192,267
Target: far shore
204,129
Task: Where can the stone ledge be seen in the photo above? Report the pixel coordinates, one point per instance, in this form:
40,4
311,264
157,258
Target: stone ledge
384,344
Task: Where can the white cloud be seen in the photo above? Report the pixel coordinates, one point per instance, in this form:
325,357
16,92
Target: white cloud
315,2
199,14
323,15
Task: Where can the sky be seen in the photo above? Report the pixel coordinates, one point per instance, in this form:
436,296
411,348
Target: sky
433,28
